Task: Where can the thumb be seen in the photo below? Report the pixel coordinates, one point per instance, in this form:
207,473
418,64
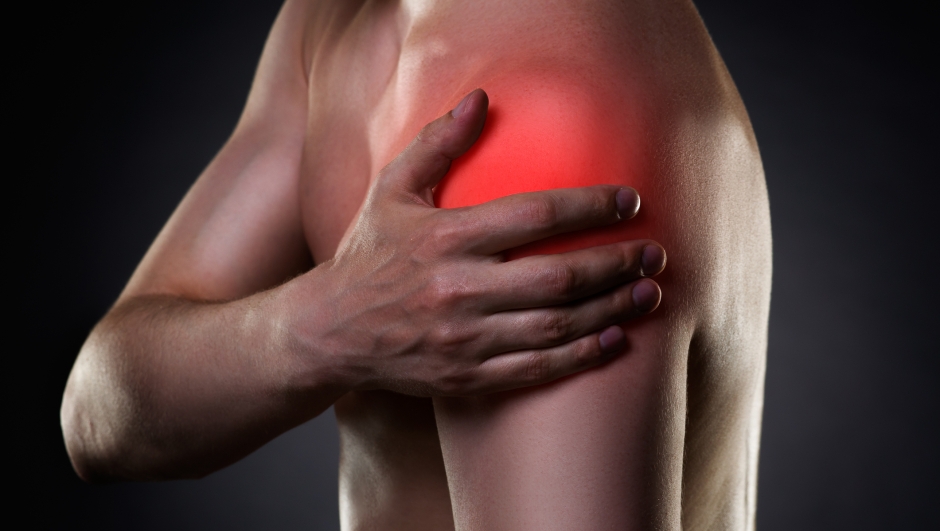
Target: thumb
426,160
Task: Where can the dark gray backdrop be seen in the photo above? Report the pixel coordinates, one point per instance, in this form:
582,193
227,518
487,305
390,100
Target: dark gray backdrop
115,110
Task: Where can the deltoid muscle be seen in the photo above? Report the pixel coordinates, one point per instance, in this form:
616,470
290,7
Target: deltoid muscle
545,133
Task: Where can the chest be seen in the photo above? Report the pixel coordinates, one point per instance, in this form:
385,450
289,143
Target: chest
378,78
364,107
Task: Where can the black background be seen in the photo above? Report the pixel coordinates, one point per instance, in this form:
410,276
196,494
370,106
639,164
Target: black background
113,112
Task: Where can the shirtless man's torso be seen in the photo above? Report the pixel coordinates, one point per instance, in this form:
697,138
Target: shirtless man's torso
198,364
581,92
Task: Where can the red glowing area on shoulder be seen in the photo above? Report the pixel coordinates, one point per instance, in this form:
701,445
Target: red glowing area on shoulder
542,138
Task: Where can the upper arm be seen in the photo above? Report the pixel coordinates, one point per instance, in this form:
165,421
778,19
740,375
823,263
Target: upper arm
608,448
238,229
600,449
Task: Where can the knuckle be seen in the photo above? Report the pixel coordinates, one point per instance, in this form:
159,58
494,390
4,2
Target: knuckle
541,211
451,340
629,261
621,261
444,236
617,304
450,291
436,297
603,204
535,367
562,280
556,325
586,353
436,137
622,302
428,135
446,338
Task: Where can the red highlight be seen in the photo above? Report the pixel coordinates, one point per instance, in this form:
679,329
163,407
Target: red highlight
541,140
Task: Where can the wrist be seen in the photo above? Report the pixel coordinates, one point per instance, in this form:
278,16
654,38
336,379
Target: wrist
300,318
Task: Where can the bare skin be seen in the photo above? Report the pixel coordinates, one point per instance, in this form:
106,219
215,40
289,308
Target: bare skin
211,351
634,93
409,301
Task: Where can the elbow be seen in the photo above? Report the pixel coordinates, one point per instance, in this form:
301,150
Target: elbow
100,454
88,458
85,466
87,417
99,445
102,439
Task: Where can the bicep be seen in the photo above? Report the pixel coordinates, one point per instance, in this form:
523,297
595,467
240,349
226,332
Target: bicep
238,229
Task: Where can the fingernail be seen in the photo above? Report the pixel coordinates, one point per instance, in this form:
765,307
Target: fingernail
628,203
645,296
462,106
612,340
653,260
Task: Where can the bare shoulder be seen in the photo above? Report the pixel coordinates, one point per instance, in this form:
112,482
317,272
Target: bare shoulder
668,432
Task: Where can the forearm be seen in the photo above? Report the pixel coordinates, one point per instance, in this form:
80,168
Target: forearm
166,387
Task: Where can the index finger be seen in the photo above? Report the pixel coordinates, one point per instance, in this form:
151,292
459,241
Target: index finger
518,219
